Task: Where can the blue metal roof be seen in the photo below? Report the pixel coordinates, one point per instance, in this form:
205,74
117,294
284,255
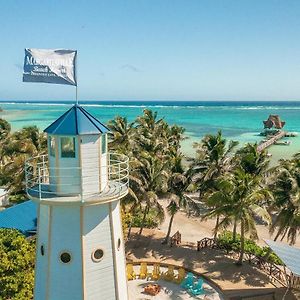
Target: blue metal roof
288,254
76,121
21,216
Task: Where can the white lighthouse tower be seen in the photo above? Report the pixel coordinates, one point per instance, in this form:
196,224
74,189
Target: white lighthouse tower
78,185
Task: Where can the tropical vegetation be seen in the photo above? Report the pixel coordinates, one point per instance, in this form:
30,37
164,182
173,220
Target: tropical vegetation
16,265
234,184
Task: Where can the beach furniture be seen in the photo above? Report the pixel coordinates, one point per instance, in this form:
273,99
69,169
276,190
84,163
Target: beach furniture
180,276
188,282
169,275
197,288
130,272
143,271
155,275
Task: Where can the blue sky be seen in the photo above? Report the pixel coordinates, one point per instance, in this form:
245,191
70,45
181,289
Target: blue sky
157,49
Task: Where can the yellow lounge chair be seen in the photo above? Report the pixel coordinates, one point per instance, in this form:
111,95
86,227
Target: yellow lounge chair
130,272
169,274
156,272
143,271
180,276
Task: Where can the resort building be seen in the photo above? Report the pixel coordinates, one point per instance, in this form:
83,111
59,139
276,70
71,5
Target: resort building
77,186
273,122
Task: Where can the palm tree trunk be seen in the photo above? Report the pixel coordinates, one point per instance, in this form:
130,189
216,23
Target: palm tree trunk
144,220
216,228
240,261
129,231
234,229
285,232
166,240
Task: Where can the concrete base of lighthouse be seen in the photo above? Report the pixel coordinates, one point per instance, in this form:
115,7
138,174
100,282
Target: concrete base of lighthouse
92,237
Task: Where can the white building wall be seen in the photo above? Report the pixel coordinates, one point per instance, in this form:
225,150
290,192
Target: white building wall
65,280
99,276
41,261
90,163
119,251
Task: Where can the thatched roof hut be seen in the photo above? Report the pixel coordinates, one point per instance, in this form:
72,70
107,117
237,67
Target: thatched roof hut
274,122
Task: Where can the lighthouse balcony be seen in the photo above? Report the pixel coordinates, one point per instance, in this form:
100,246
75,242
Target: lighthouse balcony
93,181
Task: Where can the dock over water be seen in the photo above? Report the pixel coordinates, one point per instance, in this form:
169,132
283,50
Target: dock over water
271,141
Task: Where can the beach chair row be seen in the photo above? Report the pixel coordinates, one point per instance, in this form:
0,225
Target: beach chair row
156,273
187,281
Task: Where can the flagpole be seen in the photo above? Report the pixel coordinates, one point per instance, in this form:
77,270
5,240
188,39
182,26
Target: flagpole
76,73
76,95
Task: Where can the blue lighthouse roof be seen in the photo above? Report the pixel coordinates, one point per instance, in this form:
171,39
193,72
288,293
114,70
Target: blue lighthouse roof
76,121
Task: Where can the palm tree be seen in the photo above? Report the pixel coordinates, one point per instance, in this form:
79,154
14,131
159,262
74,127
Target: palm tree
15,149
5,129
252,161
213,160
286,190
122,134
239,196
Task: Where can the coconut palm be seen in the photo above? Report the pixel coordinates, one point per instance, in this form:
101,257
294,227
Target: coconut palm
252,161
5,129
213,160
122,134
238,197
286,190
15,149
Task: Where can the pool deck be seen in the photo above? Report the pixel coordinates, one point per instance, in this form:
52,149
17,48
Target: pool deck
216,267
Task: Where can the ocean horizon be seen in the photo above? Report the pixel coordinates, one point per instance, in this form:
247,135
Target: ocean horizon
238,120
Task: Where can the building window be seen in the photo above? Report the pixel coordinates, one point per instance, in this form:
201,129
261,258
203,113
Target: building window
119,244
103,143
42,250
97,255
52,146
67,147
65,257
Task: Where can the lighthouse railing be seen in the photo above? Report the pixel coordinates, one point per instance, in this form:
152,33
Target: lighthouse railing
46,183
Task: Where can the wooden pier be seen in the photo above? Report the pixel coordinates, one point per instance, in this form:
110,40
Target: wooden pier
271,141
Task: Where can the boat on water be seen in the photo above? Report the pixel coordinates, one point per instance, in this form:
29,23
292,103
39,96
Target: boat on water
283,143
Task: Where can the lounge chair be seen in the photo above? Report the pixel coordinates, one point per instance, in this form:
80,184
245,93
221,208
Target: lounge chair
197,288
144,271
169,275
130,272
155,275
180,276
188,282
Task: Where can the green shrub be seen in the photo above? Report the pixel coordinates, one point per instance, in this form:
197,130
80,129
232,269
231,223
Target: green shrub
151,221
17,256
225,241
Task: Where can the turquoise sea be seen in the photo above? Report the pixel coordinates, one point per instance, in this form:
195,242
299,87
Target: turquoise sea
238,120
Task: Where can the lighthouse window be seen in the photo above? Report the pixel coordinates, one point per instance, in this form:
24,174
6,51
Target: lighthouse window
52,146
65,257
67,147
97,255
103,144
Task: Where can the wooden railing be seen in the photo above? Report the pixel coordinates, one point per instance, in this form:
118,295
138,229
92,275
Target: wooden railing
271,269
175,239
206,243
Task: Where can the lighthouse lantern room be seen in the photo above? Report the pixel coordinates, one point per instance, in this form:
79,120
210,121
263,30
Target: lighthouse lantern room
78,186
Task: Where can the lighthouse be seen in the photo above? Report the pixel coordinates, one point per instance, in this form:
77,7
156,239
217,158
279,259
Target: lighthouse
78,186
